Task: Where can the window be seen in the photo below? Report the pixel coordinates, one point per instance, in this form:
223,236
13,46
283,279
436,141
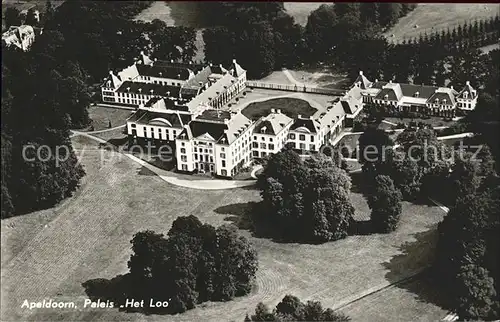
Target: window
311,147
211,159
195,149
262,145
291,136
255,153
302,137
183,150
270,139
183,143
222,149
223,163
263,154
302,146
255,145
223,155
312,138
183,158
184,167
196,156
271,146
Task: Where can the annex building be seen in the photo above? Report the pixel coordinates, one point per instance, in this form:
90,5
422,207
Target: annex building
425,99
185,105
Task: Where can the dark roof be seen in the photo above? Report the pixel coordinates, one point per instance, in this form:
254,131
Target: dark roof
347,107
450,99
266,126
162,90
391,95
307,123
424,91
172,72
215,130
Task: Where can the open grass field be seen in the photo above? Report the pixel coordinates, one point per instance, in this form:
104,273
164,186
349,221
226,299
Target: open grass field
432,17
101,116
50,253
289,106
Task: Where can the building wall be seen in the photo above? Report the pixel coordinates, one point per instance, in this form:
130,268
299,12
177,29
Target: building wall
164,133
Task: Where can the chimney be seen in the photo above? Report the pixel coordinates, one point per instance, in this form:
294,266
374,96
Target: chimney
226,121
451,86
299,116
278,111
390,81
220,65
111,72
467,83
360,73
272,110
171,60
311,117
234,61
376,80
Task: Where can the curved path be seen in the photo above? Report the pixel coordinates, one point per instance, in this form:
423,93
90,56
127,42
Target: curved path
212,184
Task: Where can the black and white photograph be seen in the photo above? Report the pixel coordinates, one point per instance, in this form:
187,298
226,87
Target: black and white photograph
250,161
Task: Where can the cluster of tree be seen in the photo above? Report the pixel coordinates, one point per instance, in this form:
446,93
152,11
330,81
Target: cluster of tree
261,35
195,263
477,34
466,265
292,309
303,201
13,17
102,35
40,100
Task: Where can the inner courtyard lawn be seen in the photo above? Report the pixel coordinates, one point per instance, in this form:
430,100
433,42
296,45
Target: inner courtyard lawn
289,106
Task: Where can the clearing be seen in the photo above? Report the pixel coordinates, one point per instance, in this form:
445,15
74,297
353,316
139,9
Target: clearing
434,17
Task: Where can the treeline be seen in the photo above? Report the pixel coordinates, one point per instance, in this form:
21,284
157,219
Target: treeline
193,264
292,309
264,37
467,35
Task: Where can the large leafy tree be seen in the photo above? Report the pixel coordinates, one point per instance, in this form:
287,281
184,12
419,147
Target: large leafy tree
195,263
303,201
466,264
385,203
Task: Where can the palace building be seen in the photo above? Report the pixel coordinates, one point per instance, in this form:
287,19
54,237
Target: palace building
425,99
186,106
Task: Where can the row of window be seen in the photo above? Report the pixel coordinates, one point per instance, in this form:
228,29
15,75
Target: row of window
256,145
302,137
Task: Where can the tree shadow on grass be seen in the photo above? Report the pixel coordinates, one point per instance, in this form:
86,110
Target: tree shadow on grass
118,290
238,214
411,270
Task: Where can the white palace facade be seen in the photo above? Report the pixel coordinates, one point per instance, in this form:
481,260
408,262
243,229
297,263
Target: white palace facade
425,99
185,105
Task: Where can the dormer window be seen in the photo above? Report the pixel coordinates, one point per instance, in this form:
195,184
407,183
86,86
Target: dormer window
263,129
444,101
417,94
466,94
386,96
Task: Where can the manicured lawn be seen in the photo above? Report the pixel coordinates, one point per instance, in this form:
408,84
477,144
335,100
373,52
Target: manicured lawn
289,106
434,120
50,253
101,116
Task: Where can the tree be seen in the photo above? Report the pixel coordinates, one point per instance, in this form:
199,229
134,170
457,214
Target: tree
31,18
467,254
389,13
12,17
320,26
195,263
292,309
385,203
303,201
476,293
